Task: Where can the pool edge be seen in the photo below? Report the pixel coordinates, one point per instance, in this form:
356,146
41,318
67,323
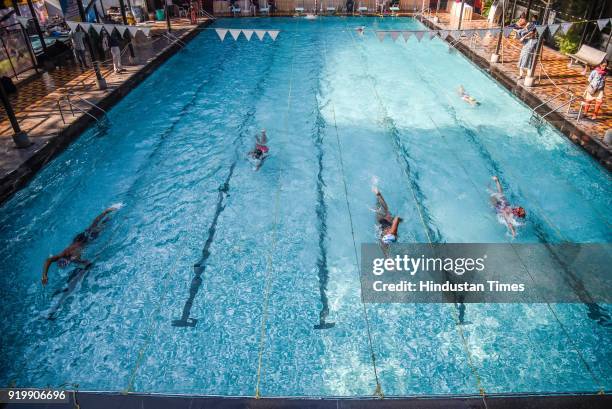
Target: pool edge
94,400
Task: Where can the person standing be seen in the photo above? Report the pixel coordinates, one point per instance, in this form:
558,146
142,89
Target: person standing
527,36
595,89
78,45
116,53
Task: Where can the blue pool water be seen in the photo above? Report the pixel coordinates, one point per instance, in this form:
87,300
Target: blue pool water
276,246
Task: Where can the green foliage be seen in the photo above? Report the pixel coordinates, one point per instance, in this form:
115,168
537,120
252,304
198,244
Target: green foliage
486,7
568,43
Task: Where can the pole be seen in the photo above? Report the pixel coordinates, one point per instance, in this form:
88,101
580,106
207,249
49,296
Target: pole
37,26
587,16
103,12
495,55
94,59
16,7
528,9
461,14
19,137
124,19
513,11
168,17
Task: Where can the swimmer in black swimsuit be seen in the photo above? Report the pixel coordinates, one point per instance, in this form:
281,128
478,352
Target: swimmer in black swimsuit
388,223
72,253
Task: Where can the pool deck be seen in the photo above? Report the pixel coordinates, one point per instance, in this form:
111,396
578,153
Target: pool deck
102,400
36,103
554,77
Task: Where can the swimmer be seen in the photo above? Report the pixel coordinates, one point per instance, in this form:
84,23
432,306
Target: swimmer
467,97
73,252
506,214
360,30
260,151
388,223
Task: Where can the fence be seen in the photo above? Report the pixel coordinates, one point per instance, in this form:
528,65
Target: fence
15,54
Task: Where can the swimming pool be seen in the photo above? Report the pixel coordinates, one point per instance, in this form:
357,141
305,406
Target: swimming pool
275,248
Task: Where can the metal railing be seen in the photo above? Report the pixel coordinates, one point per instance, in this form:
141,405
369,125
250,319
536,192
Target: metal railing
73,106
538,119
204,13
173,39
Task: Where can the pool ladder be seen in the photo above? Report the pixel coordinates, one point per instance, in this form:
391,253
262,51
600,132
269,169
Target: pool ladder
73,107
173,39
538,119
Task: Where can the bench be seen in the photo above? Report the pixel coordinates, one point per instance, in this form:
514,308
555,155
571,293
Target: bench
299,10
588,56
362,10
394,10
331,10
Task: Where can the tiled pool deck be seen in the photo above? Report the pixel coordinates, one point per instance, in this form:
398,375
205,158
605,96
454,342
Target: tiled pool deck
36,103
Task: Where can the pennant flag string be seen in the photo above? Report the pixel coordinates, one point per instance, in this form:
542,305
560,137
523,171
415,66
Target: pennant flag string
109,28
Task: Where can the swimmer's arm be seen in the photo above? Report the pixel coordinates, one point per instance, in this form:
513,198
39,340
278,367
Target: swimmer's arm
381,201
48,261
511,228
395,225
499,186
101,216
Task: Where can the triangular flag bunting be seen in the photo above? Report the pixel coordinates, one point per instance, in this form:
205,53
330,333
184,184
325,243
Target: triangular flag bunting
146,31
455,34
133,31
406,35
565,27
602,23
541,29
235,33
22,20
85,26
221,32
469,33
273,34
443,34
494,32
248,34
482,33
419,35
260,34
553,28
432,34
122,29
394,35
381,35
73,25
507,31
97,27
109,28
